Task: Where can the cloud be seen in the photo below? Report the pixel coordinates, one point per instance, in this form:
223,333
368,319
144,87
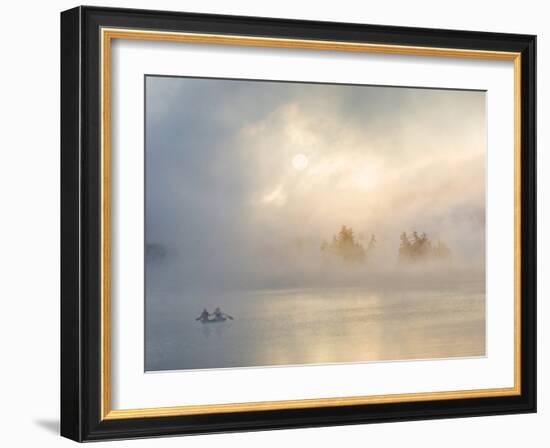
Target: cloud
223,192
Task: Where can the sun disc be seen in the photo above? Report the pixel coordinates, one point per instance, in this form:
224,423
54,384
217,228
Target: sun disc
300,162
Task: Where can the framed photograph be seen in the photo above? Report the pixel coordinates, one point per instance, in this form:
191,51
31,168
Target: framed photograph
272,223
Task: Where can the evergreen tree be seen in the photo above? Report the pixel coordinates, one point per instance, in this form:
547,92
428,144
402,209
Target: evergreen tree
372,243
405,248
418,247
344,246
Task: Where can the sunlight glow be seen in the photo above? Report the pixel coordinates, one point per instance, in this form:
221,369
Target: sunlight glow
300,162
276,197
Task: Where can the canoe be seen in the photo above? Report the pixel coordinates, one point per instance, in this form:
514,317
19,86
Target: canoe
213,320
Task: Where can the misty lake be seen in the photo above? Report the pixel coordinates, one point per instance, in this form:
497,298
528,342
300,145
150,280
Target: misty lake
313,326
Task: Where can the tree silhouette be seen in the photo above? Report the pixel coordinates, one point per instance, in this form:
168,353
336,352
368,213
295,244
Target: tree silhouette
419,247
405,248
344,246
372,243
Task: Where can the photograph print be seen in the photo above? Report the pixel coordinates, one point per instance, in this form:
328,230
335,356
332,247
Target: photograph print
291,223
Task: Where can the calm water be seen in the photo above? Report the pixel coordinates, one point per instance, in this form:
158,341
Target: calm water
285,327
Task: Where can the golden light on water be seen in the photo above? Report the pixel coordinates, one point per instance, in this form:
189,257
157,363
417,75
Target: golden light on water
300,162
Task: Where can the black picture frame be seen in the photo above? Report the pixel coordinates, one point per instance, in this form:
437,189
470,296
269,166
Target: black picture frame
81,224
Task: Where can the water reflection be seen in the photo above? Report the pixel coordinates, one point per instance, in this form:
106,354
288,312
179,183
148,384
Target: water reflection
216,328
314,326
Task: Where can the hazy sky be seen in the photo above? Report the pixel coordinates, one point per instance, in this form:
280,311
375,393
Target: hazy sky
240,173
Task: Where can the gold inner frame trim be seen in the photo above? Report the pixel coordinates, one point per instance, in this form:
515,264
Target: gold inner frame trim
107,35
